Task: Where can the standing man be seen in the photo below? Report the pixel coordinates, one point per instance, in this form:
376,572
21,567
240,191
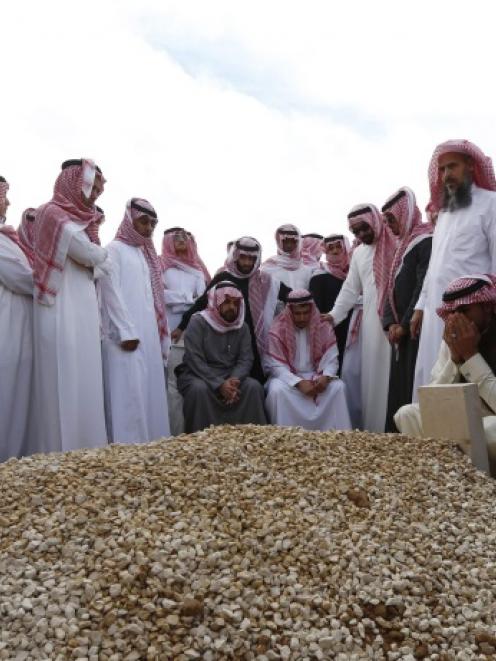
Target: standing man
462,185
16,336
326,284
260,294
288,266
368,276
25,232
405,284
303,388
136,339
214,378
184,274
312,248
68,386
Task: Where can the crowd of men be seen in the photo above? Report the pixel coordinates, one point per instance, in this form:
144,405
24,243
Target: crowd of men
118,344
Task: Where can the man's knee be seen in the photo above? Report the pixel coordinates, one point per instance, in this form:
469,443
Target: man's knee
408,420
197,388
252,387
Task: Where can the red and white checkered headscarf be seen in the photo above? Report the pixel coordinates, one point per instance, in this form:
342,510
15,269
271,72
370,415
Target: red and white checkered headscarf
4,187
483,175
312,248
128,235
338,265
169,258
282,334
467,290
53,231
292,260
258,286
25,232
385,247
403,206
216,296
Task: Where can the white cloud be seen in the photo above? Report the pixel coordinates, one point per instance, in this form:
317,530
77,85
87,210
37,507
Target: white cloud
231,116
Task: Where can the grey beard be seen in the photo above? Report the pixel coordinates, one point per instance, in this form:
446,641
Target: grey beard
460,197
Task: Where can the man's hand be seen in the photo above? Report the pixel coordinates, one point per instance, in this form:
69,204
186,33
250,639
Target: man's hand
129,345
176,335
229,390
395,333
416,323
306,387
321,383
327,317
465,336
449,337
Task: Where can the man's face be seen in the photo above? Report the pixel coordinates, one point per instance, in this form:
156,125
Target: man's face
229,309
4,204
392,222
334,249
363,232
245,263
455,170
96,191
289,243
145,225
301,313
180,243
479,313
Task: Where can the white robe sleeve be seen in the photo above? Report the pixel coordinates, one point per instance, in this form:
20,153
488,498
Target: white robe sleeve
176,297
120,324
445,370
476,370
15,274
329,363
84,252
349,294
281,371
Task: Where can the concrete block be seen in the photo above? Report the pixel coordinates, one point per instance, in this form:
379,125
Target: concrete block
453,411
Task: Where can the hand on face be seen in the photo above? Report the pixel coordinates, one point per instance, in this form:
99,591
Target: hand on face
462,337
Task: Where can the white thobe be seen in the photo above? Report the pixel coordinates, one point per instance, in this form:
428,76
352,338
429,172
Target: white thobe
16,348
287,406
297,279
375,348
182,288
351,371
135,393
464,243
68,385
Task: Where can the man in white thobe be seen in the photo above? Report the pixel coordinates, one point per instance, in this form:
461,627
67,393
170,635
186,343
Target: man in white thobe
462,185
16,337
135,336
288,266
68,385
368,277
302,360
467,353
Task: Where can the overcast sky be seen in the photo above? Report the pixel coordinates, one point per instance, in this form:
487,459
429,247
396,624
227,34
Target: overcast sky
233,116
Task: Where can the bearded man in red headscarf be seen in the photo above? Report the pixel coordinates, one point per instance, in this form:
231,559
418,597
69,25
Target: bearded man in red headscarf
214,378
68,386
462,186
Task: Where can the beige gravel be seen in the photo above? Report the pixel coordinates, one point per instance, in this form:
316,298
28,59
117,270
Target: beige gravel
249,543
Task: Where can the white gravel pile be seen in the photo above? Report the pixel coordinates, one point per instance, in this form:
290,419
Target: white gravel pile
249,543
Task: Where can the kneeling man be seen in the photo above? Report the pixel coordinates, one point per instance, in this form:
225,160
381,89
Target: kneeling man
218,357
467,353
302,359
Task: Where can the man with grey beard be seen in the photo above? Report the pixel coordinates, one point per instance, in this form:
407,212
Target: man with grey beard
462,185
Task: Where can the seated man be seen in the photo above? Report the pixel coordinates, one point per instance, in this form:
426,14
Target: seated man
218,357
302,359
467,353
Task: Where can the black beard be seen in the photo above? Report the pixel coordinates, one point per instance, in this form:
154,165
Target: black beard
460,198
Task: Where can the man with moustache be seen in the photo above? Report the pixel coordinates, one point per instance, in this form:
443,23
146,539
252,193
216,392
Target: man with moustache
462,185
368,276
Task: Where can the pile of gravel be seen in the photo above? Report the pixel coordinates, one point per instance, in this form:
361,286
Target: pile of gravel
249,543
